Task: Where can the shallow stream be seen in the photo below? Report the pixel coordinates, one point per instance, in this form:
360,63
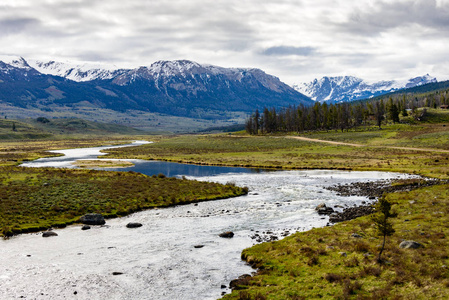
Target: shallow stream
159,260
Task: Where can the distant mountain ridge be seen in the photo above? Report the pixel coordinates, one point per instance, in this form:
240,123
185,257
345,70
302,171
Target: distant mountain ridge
79,73
179,88
349,88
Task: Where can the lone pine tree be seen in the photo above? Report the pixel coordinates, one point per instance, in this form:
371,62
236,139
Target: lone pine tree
382,223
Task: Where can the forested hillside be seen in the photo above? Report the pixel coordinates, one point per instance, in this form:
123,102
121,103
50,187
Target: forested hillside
396,107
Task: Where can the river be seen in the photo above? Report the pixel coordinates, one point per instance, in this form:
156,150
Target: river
159,260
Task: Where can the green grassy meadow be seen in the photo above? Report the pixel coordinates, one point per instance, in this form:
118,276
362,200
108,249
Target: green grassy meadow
34,199
329,263
419,150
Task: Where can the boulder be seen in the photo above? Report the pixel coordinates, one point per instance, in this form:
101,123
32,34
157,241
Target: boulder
322,209
351,213
85,227
49,234
227,234
320,206
410,245
133,225
241,281
92,219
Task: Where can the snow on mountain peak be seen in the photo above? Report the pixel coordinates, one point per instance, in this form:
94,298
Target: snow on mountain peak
174,68
349,88
15,61
76,72
82,72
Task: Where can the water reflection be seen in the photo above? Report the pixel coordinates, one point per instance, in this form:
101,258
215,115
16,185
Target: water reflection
171,169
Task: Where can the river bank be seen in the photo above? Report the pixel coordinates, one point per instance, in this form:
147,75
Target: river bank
333,262
314,261
285,153
35,199
187,256
374,190
160,260
340,261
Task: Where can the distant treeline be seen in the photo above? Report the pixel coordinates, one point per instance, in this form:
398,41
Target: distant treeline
324,116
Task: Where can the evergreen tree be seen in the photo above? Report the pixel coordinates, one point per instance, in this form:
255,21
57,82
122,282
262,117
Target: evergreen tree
404,112
393,111
379,112
249,126
256,121
266,120
381,218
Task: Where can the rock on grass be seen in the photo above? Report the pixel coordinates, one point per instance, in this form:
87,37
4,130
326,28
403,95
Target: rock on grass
410,245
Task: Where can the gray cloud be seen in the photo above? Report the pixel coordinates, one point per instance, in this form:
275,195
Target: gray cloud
378,38
388,15
16,25
289,50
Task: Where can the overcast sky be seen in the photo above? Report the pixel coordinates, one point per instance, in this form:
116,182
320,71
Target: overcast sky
295,40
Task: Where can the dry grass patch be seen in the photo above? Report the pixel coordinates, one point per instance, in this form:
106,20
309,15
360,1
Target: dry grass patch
101,163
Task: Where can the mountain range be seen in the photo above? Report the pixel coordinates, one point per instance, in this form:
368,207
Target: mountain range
349,88
179,88
180,95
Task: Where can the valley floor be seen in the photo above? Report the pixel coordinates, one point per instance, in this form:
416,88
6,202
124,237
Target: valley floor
337,261
35,199
340,261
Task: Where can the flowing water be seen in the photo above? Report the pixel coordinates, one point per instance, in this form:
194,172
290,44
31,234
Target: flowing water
159,260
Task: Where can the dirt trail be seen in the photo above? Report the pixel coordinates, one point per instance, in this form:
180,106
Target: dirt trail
324,141
359,145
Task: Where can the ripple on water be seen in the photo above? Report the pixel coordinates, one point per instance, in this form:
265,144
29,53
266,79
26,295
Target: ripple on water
159,260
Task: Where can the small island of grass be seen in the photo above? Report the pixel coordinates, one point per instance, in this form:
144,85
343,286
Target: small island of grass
100,163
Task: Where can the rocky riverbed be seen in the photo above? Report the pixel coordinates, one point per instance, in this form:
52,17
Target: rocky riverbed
377,188
373,190
177,253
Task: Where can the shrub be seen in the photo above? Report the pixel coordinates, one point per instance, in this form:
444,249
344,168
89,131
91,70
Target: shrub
313,261
332,277
352,262
244,295
370,270
43,120
350,288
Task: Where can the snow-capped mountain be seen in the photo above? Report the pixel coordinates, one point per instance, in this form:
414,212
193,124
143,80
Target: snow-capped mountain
349,88
15,61
161,72
189,75
76,72
179,88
